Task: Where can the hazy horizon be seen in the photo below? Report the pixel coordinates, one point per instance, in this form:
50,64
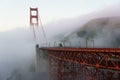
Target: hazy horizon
60,18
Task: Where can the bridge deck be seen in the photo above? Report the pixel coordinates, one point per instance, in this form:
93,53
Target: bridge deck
117,50
104,58
83,63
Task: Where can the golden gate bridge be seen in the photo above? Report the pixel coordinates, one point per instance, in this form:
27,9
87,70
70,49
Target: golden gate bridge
70,63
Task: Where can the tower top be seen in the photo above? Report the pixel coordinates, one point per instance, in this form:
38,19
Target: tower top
34,17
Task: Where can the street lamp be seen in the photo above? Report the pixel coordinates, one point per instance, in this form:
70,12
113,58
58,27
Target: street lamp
86,42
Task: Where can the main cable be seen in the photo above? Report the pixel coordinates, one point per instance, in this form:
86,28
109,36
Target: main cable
34,33
44,34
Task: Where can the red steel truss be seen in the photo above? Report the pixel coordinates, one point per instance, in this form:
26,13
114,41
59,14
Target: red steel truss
84,63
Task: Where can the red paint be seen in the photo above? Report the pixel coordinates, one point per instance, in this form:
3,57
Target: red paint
84,63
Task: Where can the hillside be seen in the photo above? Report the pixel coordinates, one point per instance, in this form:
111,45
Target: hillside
64,27
105,32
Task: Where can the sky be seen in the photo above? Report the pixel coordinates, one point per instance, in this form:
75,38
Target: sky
17,44
15,13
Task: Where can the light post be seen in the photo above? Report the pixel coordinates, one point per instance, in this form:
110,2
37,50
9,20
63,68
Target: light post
86,42
93,43
80,44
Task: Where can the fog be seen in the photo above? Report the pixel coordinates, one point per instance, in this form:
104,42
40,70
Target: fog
18,54
16,51
64,27
17,46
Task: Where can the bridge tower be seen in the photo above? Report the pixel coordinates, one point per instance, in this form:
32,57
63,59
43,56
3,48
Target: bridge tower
35,21
34,17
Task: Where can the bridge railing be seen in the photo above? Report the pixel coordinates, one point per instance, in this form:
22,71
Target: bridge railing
74,44
59,44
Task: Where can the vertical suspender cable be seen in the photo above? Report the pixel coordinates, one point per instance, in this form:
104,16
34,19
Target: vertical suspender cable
43,29
34,33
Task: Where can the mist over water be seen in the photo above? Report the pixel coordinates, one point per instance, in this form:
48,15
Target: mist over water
17,51
17,47
18,55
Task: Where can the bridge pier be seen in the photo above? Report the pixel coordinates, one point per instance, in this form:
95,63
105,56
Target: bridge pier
41,63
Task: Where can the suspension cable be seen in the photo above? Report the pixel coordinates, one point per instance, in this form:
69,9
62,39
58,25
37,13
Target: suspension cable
44,34
34,33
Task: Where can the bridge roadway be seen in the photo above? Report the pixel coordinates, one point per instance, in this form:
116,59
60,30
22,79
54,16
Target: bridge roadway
99,61
96,57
